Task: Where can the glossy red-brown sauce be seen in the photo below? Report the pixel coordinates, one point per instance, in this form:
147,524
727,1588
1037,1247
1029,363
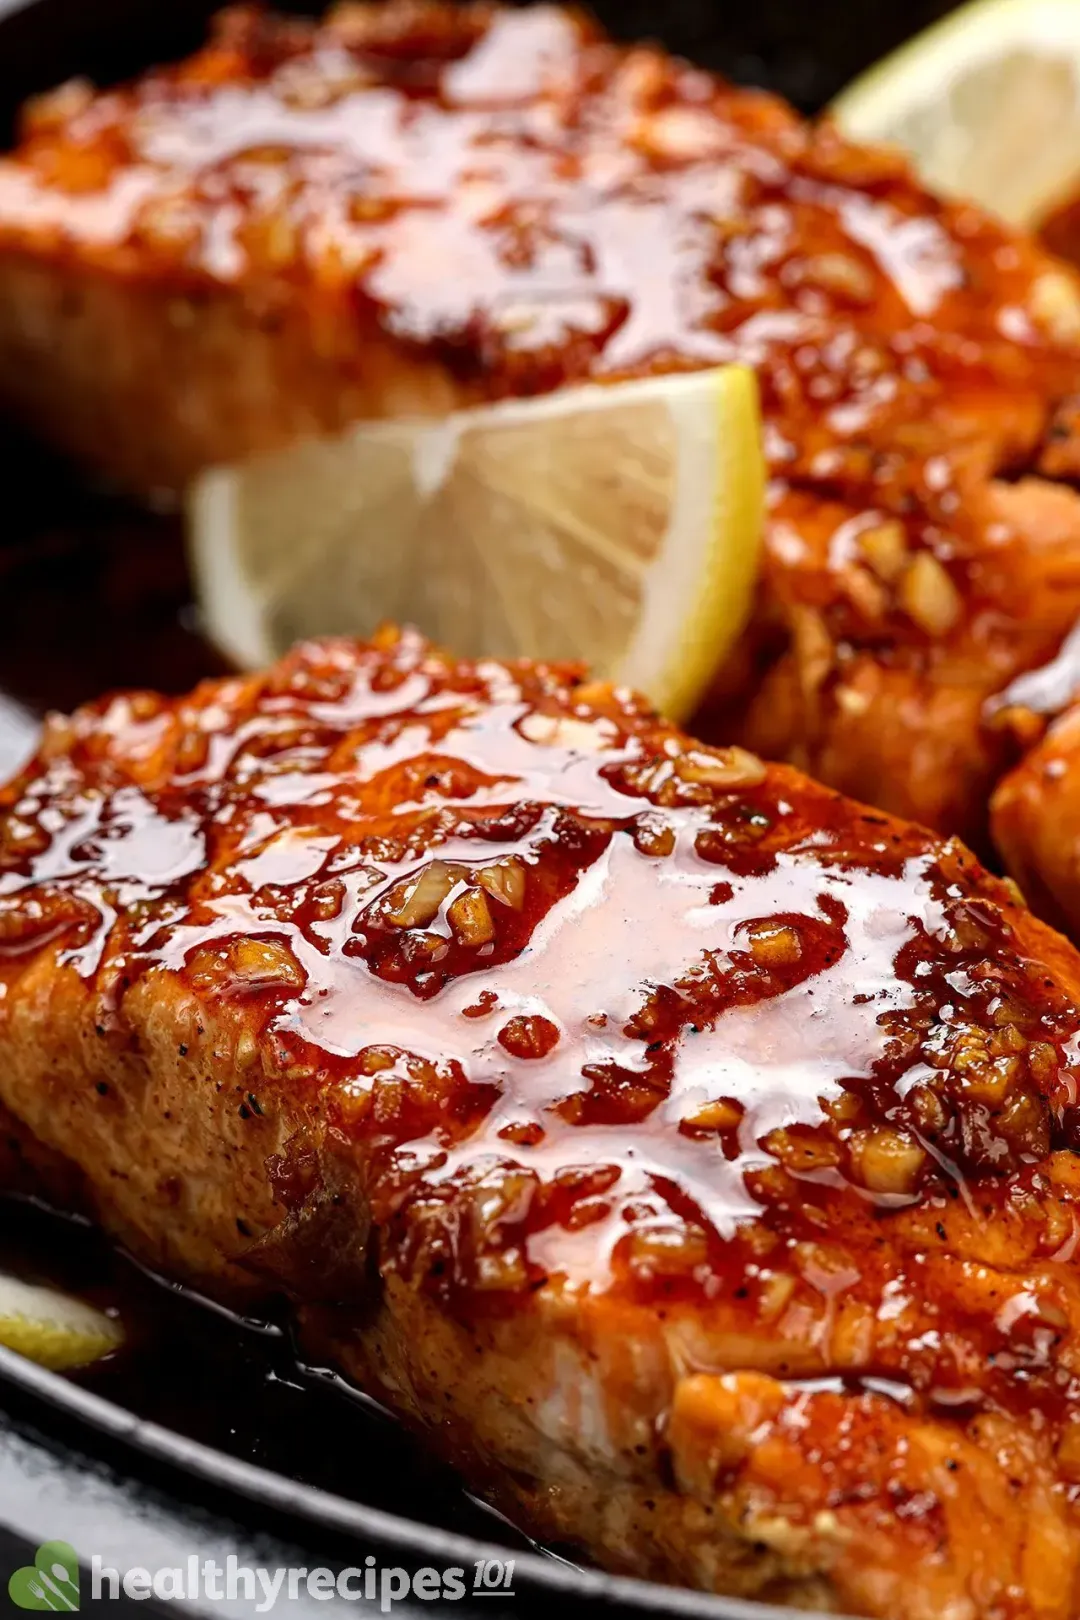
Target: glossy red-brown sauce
530,204
542,204
662,1024
741,1051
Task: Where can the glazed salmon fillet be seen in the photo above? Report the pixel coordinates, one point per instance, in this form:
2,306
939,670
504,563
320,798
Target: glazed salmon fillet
689,1152
1035,810
410,207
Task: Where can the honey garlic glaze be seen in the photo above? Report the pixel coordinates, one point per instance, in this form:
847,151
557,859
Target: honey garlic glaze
582,1003
409,208
540,204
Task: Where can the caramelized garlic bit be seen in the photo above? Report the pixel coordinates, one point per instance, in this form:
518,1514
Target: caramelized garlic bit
1007,1037
720,767
865,592
54,108
928,595
523,1133
1027,726
529,1035
844,1108
503,1269
1043,1062
966,931
930,1112
722,1115
23,838
1025,1123
986,1074
422,943
840,273
470,918
774,944
1055,305
308,94
677,132
1049,1311
313,87
654,837
386,637
800,1153
423,895
814,652
261,961
57,736
504,881
851,701
667,1251
885,1160
246,1050
776,1289
171,222
327,899
593,694
377,1059
851,1343
564,731
640,78
885,549
1058,1225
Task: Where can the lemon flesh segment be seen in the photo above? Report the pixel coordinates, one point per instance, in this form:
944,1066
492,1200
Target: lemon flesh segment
987,102
619,524
54,1329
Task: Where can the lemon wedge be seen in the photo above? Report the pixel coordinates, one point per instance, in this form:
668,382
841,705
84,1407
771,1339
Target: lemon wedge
987,102
618,524
54,1329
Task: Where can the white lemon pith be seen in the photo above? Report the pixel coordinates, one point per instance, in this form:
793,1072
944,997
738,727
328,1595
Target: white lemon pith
54,1329
619,524
987,102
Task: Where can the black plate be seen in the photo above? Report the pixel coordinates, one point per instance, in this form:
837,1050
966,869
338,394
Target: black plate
94,594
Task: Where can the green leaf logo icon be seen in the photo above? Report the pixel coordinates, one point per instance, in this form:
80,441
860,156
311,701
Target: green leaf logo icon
50,1582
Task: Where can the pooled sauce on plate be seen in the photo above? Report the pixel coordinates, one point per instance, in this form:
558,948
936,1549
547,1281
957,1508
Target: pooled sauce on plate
238,1386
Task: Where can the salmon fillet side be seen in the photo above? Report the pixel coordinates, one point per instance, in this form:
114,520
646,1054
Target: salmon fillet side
688,1152
410,207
